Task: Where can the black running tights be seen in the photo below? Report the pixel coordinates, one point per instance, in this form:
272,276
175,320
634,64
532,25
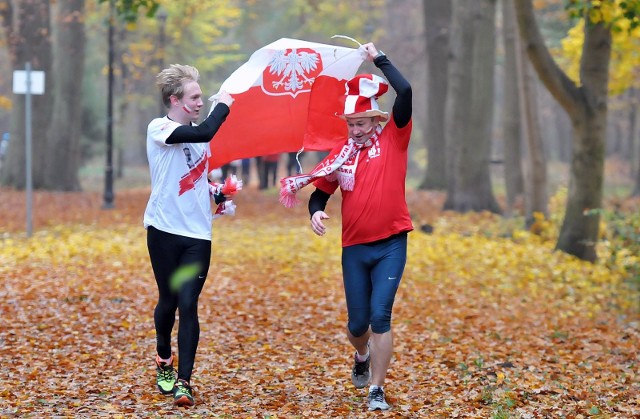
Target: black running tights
170,253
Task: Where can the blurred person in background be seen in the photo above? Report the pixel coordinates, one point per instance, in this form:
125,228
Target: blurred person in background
4,144
269,171
293,168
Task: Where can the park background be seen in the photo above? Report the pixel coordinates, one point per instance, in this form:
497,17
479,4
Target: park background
503,310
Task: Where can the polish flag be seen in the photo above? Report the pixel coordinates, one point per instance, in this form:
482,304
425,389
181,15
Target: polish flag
286,98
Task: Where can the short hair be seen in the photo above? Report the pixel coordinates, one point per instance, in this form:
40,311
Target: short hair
171,81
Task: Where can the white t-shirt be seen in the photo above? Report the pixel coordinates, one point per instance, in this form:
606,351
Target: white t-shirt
179,202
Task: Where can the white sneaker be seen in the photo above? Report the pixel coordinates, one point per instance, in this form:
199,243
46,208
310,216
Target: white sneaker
377,400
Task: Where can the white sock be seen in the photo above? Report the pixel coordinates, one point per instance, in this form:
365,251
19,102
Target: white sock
362,358
373,387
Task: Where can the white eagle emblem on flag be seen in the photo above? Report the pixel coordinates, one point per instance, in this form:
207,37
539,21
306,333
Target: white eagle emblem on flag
291,71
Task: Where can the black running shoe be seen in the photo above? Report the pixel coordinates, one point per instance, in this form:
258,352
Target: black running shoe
361,372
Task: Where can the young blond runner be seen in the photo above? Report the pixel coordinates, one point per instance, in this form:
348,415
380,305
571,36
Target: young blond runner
178,219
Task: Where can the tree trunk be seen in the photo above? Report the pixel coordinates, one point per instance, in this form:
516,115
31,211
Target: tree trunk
29,39
615,145
402,38
556,130
536,198
437,17
587,108
634,141
564,133
63,147
511,111
469,112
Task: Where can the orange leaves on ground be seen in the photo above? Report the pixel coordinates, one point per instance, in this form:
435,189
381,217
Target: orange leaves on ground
484,325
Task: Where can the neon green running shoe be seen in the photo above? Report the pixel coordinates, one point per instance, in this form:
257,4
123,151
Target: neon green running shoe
183,394
165,375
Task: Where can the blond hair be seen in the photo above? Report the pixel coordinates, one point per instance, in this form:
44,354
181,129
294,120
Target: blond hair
172,80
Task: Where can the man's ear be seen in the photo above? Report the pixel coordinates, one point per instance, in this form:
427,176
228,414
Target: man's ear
174,100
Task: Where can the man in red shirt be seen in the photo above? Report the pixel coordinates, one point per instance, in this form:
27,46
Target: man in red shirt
370,169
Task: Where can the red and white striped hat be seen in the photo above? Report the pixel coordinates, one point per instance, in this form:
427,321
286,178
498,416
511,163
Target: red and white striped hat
360,99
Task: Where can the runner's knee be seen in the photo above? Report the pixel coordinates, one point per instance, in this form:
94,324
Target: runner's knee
358,325
381,321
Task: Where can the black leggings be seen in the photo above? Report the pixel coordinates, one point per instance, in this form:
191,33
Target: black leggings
169,252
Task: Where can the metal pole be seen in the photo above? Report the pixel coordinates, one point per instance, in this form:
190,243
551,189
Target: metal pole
108,178
29,179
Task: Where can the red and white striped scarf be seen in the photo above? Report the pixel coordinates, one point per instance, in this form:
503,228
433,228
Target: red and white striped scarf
341,165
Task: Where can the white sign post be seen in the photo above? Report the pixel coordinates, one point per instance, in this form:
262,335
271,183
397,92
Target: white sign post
28,83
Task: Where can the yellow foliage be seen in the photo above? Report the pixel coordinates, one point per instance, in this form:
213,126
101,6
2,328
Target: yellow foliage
479,312
191,28
541,226
463,254
5,103
625,55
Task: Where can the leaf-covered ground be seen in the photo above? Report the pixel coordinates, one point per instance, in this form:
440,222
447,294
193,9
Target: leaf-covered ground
484,326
